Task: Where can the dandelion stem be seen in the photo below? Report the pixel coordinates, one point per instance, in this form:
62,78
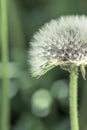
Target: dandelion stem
73,99
5,81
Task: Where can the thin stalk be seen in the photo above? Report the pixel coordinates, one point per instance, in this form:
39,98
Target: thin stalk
73,99
5,81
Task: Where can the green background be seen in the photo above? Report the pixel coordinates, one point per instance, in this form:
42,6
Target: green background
39,104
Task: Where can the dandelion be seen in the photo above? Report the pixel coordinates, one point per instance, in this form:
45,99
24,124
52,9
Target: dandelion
61,42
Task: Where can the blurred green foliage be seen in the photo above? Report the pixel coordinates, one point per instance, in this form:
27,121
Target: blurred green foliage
39,104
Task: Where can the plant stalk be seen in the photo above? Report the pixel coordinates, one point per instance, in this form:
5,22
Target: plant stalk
73,99
5,100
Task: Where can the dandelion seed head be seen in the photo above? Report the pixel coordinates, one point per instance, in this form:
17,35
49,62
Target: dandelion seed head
58,42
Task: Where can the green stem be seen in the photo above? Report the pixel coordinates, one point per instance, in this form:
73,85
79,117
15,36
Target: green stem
73,99
5,81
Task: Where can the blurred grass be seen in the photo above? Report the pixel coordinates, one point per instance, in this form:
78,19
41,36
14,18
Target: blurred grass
5,102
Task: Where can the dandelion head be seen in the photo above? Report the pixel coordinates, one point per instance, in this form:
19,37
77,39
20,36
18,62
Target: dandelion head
60,42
